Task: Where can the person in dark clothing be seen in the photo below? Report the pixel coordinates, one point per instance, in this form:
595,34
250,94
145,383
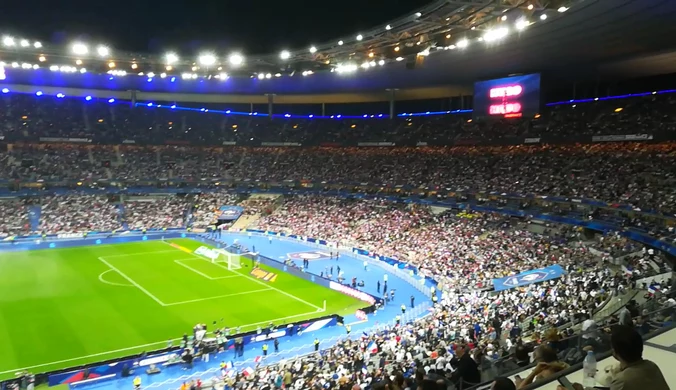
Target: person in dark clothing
502,383
466,371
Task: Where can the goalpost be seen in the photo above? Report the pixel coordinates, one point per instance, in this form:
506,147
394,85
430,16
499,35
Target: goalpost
231,259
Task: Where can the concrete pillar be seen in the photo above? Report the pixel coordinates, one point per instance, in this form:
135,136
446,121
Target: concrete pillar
392,93
271,103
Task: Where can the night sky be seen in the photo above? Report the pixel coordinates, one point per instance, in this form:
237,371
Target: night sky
251,26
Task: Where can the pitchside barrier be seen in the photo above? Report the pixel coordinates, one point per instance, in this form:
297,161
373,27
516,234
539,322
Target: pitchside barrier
403,270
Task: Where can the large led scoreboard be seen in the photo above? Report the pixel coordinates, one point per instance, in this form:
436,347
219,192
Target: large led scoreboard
509,97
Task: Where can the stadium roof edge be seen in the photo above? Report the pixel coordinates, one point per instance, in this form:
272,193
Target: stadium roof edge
328,98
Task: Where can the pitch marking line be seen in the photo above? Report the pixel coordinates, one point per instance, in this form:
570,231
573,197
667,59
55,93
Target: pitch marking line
139,253
130,280
112,283
218,296
180,262
259,282
144,346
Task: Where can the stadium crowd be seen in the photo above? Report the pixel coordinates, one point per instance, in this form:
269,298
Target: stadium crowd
156,213
78,213
206,209
464,252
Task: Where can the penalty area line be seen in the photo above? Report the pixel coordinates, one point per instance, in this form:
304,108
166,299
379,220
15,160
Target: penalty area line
130,280
259,282
218,296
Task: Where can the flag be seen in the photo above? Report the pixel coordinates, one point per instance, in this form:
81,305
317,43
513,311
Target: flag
248,371
372,347
364,335
258,359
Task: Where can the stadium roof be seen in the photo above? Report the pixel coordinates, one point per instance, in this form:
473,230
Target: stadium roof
447,43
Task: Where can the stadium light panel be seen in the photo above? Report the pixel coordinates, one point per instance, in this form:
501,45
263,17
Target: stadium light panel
285,55
399,58
418,14
5,90
38,93
388,27
60,95
80,48
207,59
261,76
171,58
543,17
37,45
103,51
24,43
530,7
313,50
88,98
463,43
268,75
111,100
42,59
562,9
340,43
8,41
360,37
236,59
381,62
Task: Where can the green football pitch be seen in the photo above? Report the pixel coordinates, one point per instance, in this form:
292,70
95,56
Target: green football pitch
66,307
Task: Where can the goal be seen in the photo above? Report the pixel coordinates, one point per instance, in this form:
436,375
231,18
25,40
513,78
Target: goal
231,259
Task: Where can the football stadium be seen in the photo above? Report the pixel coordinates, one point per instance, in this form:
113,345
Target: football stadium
430,194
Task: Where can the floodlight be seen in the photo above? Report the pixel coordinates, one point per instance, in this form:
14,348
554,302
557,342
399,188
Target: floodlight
80,48
399,58
8,41
388,27
463,43
562,9
223,76
285,55
25,43
171,58
521,24
111,100
313,50
494,35
37,45
381,62
207,59
530,7
42,59
360,37
236,59
88,98
543,17
103,51
261,76
418,14
340,43
38,93
268,75
5,90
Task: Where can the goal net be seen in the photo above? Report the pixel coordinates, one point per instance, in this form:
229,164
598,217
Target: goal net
231,259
